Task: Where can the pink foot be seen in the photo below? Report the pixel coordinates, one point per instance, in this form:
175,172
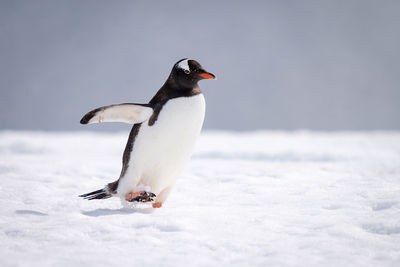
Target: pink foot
141,196
157,205
131,195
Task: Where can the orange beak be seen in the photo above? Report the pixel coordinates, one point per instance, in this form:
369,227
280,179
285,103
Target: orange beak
207,75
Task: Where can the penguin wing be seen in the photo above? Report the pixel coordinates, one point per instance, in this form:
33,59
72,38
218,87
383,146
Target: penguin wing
126,112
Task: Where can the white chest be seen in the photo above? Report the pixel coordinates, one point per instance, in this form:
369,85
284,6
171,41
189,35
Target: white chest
160,151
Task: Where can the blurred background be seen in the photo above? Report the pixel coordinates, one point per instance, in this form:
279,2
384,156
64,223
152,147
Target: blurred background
320,65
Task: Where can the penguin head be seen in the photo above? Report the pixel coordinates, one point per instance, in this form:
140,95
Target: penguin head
188,72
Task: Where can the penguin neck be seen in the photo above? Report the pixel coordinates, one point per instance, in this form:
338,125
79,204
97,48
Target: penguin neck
171,90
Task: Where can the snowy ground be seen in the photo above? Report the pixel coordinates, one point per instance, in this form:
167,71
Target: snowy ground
254,199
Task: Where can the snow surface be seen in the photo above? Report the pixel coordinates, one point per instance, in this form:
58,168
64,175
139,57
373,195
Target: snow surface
246,199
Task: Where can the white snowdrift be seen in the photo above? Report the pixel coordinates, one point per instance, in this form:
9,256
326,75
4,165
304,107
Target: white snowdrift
246,199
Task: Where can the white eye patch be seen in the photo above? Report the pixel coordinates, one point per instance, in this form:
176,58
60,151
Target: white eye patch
184,65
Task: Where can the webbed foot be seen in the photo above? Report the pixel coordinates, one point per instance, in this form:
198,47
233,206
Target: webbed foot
142,196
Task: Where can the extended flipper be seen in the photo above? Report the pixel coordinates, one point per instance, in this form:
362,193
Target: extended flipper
126,112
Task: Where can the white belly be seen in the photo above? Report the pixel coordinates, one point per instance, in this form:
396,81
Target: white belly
161,151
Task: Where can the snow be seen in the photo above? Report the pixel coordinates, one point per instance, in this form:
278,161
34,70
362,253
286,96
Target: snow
246,199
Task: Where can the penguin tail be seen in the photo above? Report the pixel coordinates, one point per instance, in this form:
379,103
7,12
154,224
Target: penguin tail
107,192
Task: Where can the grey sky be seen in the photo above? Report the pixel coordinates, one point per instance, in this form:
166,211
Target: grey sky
325,65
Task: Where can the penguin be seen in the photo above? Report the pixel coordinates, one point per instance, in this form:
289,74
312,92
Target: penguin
162,138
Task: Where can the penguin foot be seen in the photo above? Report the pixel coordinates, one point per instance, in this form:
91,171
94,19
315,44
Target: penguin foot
131,195
157,205
142,196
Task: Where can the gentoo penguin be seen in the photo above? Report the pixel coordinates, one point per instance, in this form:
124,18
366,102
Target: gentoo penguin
162,137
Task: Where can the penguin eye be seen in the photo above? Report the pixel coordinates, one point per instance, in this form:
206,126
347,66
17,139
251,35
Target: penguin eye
186,71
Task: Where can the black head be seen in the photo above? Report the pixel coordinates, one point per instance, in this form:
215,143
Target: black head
186,73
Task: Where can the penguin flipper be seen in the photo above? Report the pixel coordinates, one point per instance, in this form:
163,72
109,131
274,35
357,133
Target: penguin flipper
127,112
